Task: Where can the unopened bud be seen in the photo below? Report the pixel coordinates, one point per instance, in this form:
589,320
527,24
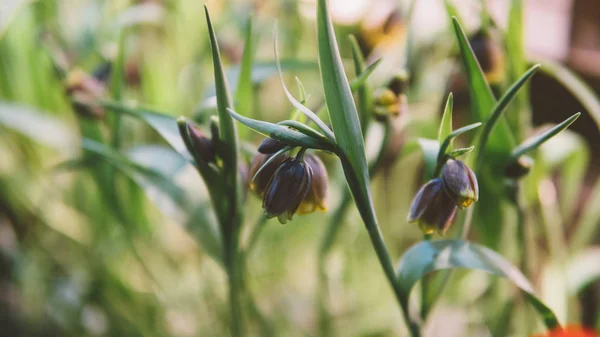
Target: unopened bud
460,183
202,146
270,145
489,55
519,168
399,82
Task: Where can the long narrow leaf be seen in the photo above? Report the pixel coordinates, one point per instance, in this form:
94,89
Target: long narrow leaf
533,142
282,133
361,78
306,111
227,128
342,110
164,124
243,95
482,97
362,91
305,129
446,124
429,256
499,109
518,116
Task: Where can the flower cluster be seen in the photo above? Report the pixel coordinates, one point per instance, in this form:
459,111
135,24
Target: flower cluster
288,185
436,203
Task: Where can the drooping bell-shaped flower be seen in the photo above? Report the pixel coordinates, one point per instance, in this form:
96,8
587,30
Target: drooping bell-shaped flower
288,186
316,199
259,176
460,183
432,208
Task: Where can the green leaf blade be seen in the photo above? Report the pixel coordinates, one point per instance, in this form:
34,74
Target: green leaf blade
361,90
244,94
535,141
429,256
342,112
499,109
446,124
482,97
282,133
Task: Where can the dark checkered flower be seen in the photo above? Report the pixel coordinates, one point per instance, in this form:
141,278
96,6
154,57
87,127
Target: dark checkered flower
287,188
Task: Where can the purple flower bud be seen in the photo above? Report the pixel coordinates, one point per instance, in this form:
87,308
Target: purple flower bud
460,183
270,145
202,145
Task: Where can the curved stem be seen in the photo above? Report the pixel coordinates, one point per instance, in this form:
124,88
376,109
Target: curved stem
367,213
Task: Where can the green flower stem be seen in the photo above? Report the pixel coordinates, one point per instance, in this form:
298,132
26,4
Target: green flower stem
234,279
370,220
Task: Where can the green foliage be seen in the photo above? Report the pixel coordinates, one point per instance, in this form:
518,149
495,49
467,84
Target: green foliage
142,221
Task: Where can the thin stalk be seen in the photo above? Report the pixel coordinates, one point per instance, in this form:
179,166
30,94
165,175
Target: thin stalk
233,281
386,263
367,212
333,226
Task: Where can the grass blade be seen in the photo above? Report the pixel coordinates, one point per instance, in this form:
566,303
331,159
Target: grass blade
533,142
429,256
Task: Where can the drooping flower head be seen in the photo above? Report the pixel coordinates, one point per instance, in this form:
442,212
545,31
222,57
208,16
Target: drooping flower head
436,203
262,169
432,208
316,199
288,186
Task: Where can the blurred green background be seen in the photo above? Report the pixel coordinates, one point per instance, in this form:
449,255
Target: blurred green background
79,258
